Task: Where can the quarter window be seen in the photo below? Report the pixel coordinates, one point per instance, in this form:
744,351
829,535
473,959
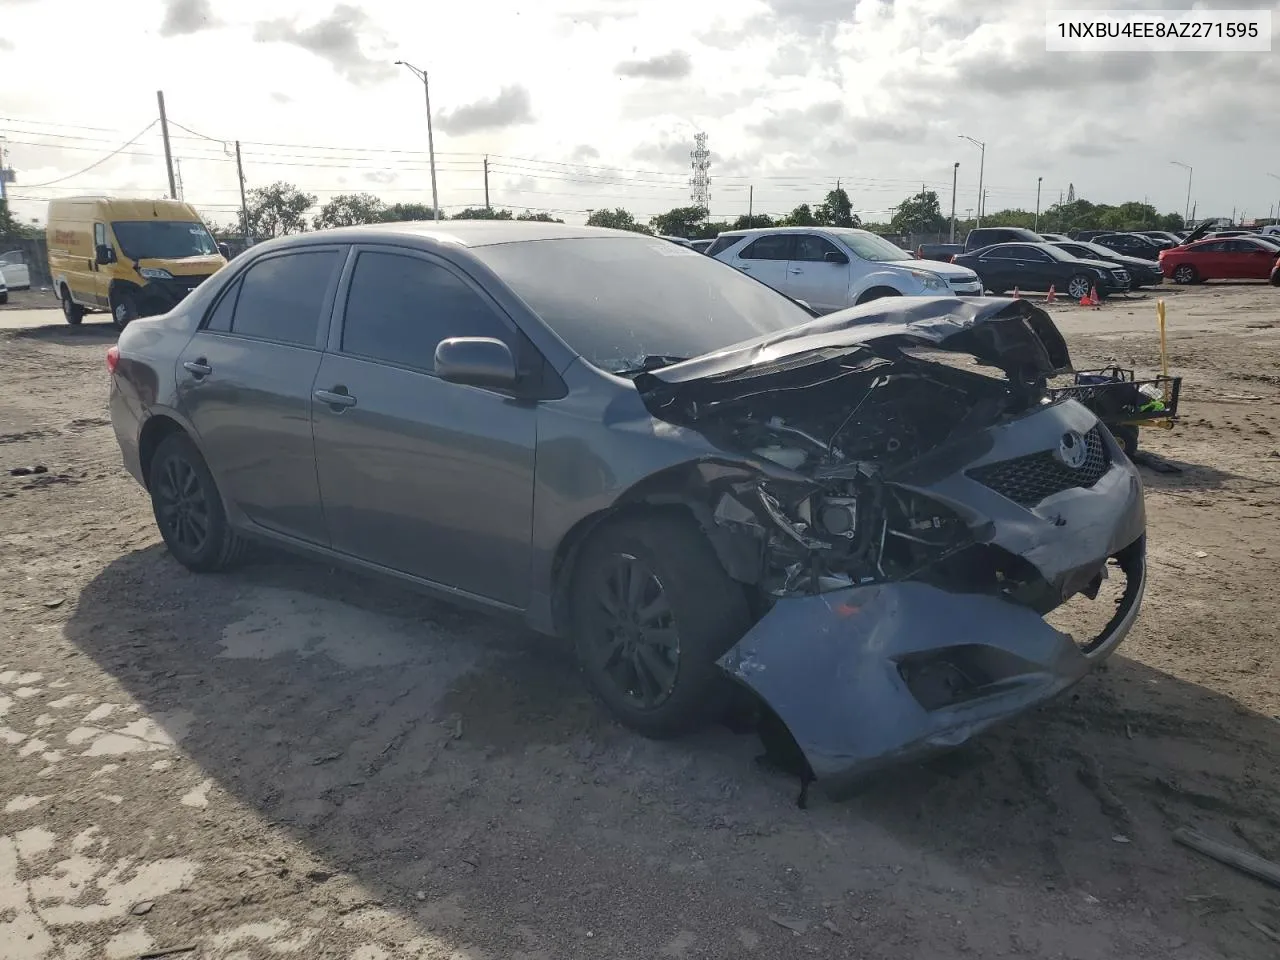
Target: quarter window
399,308
281,298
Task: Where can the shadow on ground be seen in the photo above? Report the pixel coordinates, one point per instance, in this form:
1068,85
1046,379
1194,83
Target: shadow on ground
65,334
441,757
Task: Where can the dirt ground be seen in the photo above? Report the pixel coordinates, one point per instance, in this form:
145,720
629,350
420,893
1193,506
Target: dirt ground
295,761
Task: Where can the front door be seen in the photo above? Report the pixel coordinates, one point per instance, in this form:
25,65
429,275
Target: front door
99,278
824,285
245,383
766,258
422,476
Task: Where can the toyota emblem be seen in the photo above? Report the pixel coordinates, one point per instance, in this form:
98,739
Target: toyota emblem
1072,450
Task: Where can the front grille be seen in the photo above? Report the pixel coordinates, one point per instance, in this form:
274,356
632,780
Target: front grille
1031,479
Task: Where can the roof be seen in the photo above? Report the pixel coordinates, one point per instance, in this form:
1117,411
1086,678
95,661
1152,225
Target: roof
755,230
134,208
466,233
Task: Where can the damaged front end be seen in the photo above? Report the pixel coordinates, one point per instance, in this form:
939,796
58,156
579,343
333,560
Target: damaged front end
909,521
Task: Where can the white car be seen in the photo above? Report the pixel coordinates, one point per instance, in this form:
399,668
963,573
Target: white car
14,271
831,268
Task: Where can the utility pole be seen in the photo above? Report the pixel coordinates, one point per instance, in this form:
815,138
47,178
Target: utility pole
244,207
982,165
1039,180
4,173
1187,212
955,172
168,157
431,143
486,182
177,174
982,207
751,201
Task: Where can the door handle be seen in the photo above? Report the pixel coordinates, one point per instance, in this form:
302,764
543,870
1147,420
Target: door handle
198,368
796,270
337,398
743,266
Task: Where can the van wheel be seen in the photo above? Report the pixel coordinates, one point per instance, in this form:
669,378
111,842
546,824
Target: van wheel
72,312
124,310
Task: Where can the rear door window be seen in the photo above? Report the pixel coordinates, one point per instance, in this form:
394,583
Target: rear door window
777,246
400,307
283,298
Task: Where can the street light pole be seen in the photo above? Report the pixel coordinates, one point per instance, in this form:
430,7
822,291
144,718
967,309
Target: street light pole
982,163
1186,213
955,171
1039,180
431,143
1273,176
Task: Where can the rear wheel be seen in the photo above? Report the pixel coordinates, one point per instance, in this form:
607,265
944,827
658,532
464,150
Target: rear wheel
1127,437
1186,273
652,611
72,312
188,509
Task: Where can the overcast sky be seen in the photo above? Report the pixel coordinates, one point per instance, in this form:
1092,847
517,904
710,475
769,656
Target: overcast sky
589,103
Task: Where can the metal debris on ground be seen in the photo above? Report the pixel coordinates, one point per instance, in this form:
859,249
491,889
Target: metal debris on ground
1242,860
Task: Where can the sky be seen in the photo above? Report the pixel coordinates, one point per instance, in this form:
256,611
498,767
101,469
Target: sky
582,104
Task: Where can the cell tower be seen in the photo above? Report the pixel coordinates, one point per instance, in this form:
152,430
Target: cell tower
700,182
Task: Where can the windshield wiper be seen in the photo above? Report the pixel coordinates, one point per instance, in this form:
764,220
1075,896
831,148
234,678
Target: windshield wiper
648,363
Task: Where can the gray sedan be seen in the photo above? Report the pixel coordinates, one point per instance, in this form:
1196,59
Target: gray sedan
628,443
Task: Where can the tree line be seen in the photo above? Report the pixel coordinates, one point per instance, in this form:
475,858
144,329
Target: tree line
282,208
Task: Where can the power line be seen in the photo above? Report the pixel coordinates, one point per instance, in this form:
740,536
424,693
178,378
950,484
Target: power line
100,161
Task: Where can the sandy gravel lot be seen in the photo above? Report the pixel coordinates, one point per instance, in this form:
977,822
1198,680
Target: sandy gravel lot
294,761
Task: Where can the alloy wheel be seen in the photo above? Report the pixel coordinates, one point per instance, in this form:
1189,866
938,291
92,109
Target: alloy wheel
636,640
1078,287
182,506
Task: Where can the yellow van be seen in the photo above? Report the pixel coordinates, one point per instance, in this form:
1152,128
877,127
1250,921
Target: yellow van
132,258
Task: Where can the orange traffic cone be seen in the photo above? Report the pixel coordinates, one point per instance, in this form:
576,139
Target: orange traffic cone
1016,294
1052,297
1084,301
1093,297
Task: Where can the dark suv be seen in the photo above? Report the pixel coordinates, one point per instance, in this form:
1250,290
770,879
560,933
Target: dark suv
986,236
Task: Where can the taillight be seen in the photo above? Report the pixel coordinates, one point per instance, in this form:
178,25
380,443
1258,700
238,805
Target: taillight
113,358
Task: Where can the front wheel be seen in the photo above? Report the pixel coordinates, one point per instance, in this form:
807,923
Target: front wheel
652,610
1185,273
1078,287
72,312
878,293
124,311
188,509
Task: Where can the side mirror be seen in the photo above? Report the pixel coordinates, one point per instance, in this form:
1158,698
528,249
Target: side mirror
225,251
835,256
476,362
104,254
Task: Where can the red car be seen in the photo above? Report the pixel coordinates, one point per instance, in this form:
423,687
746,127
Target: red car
1230,258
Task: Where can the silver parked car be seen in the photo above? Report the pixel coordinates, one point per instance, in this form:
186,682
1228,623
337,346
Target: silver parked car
634,445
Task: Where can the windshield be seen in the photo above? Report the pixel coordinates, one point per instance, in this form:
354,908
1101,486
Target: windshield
163,239
871,247
618,300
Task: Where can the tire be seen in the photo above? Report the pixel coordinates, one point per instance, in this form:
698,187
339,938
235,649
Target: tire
1127,437
1185,273
1078,286
4,297
877,293
659,686
1275,277
178,467
72,312
124,310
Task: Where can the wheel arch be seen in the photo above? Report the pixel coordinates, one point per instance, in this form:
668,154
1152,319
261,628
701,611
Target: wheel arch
682,491
877,292
157,428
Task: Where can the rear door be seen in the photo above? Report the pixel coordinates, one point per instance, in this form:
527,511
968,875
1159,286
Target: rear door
1252,260
810,277
766,258
245,383
422,476
1039,270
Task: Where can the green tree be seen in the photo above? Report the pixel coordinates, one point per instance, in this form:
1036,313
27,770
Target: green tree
539,217
616,219
753,221
348,210
801,216
405,212
278,210
483,213
920,213
680,222
11,228
837,210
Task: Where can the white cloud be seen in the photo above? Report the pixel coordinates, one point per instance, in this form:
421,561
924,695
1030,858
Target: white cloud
793,94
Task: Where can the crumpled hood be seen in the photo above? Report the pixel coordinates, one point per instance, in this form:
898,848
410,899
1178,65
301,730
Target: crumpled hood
1012,335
